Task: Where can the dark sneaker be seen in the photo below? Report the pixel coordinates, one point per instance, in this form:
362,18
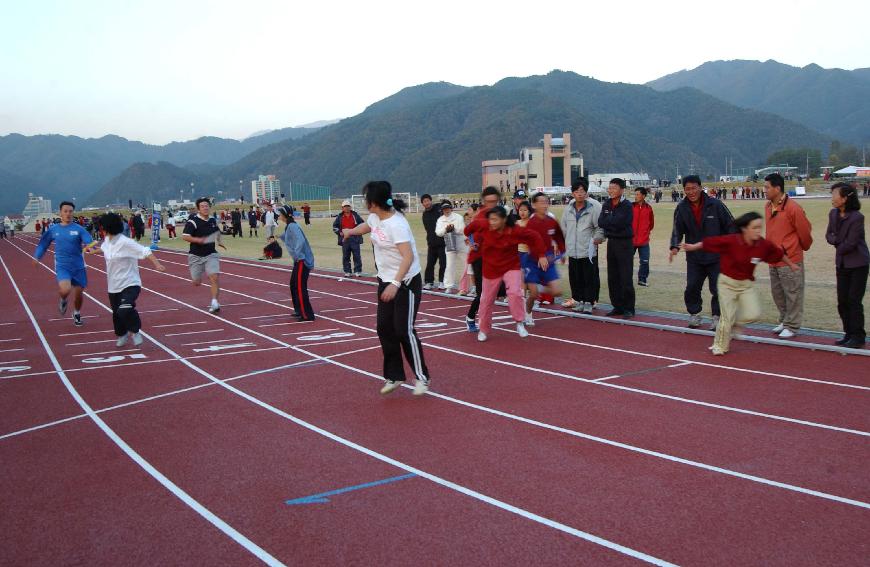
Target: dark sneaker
614,313
61,306
628,315
643,283
77,319
471,325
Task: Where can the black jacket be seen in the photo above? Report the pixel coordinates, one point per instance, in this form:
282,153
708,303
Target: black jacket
716,220
336,228
616,222
430,219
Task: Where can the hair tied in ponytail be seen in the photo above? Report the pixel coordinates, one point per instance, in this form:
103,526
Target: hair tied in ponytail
389,202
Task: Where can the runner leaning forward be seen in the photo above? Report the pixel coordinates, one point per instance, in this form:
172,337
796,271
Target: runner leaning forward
69,265
203,256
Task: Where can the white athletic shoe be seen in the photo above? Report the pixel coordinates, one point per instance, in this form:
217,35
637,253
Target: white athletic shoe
587,308
717,351
428,286
390,386
137,339
529,321
348,274
778,329
481,336
694,321
121,341
214,307
521,330
787,334
421,387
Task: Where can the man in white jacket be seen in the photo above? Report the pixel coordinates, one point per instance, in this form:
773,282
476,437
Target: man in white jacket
450,226
582,237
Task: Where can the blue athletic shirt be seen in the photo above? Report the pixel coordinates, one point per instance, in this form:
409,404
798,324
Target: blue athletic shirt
68,243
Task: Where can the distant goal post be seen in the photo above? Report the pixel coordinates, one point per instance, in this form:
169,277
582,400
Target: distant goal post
358,202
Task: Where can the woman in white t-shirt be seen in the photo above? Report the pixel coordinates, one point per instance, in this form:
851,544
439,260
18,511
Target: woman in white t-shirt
399,285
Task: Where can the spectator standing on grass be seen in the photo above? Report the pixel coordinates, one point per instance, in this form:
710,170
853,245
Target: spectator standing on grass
697,217
306,213
642,224
170,226
787,228
435,246
582,237
399,285
740,253
846,233
490,198
616,220
236,218
253,221
450,227
348,218
299,249
270,221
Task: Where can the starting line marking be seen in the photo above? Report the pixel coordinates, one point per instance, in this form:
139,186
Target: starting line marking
178,324
306,332
70,317
214,341
160,310
91,343
109,352
84,333
343,309
193,333
8,340
12,350
267,316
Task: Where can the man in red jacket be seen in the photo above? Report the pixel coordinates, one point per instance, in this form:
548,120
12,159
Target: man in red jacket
642,225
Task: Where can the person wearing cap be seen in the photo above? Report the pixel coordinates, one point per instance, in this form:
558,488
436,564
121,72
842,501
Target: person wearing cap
303,262
435,247
519,196
450,227
349,219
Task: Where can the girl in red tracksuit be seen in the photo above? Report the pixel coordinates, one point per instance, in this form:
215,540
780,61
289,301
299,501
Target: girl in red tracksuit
642,224
497,240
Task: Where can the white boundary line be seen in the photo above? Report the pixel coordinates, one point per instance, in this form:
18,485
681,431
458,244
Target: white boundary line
204,512
178,324
90,343
8,340
12,350
159,310
214,342
193,333
109,352
379,456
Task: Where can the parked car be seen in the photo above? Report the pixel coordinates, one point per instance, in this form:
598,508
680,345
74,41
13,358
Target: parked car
181,217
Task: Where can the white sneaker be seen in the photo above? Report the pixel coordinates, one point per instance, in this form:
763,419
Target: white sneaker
214,307
529,321
347,274
390,386
521,330
439,285
481,336
421,387
137,339
778,329
427,286
121,341
587,308
694,321
787,334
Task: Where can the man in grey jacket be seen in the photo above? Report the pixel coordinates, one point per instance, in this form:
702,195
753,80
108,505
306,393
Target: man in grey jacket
582,237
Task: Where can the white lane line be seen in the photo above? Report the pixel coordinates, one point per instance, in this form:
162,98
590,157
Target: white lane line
178,324
214,342
445,308
84,333
107,352
361,316
12,362
91,342
207,514
5,324
267,316
318,331
160,310
370,292
342,309
70,317
625,446
12,350
193,333
280,324
8,340
235,304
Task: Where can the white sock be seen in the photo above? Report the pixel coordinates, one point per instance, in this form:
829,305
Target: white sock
214,301
76,312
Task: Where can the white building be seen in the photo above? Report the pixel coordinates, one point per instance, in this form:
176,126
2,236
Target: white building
36,206
267,188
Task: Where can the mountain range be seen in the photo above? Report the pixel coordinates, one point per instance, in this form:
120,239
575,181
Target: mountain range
832,101
432,137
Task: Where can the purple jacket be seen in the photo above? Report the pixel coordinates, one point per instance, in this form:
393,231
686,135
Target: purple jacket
846,234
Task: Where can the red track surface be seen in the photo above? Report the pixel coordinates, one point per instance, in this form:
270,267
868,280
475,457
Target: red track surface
757,457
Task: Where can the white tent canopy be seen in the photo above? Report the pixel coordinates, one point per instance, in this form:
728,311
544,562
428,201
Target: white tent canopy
851,170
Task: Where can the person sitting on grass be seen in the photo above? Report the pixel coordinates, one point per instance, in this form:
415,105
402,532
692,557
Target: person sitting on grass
272,250
739,255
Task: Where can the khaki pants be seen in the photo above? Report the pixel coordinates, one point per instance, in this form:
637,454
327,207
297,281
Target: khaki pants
738,304
788,295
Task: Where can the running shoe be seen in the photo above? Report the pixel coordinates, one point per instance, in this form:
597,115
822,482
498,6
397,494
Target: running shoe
778,329
642,283
471,325
214,307
587,308
390,386
715,323
428,286
787,334
348,275
77,319
694,321
481,336
121,341
62,306
137,339
529,321
421,387
521,330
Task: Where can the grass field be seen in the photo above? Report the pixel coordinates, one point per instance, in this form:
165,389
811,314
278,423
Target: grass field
667,281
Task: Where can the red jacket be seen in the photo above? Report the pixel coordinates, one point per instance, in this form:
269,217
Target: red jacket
478,224
499,249
642,223
550,231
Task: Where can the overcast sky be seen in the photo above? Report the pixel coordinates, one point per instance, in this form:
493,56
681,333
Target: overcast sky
163,70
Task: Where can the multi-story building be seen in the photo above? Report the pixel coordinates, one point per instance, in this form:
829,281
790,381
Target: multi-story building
552,164
267,188
36,206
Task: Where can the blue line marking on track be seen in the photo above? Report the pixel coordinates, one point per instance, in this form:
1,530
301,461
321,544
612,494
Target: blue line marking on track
323,496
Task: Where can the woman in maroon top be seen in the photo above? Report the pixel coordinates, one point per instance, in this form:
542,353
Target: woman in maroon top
739,255
846,233
497,240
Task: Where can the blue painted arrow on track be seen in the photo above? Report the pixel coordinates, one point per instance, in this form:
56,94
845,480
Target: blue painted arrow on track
324,496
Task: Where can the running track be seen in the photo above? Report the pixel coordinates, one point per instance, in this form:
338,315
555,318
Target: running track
586,443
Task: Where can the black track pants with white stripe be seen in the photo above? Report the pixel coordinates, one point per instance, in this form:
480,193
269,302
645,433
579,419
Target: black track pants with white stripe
396,331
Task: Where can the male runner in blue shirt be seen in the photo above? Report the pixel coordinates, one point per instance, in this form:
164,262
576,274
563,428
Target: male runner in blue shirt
69,265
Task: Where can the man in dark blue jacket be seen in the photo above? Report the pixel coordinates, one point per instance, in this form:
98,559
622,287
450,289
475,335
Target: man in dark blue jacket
695,218
616,219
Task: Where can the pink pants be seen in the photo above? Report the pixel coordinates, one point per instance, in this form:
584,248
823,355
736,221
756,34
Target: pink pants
513,283
466,278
